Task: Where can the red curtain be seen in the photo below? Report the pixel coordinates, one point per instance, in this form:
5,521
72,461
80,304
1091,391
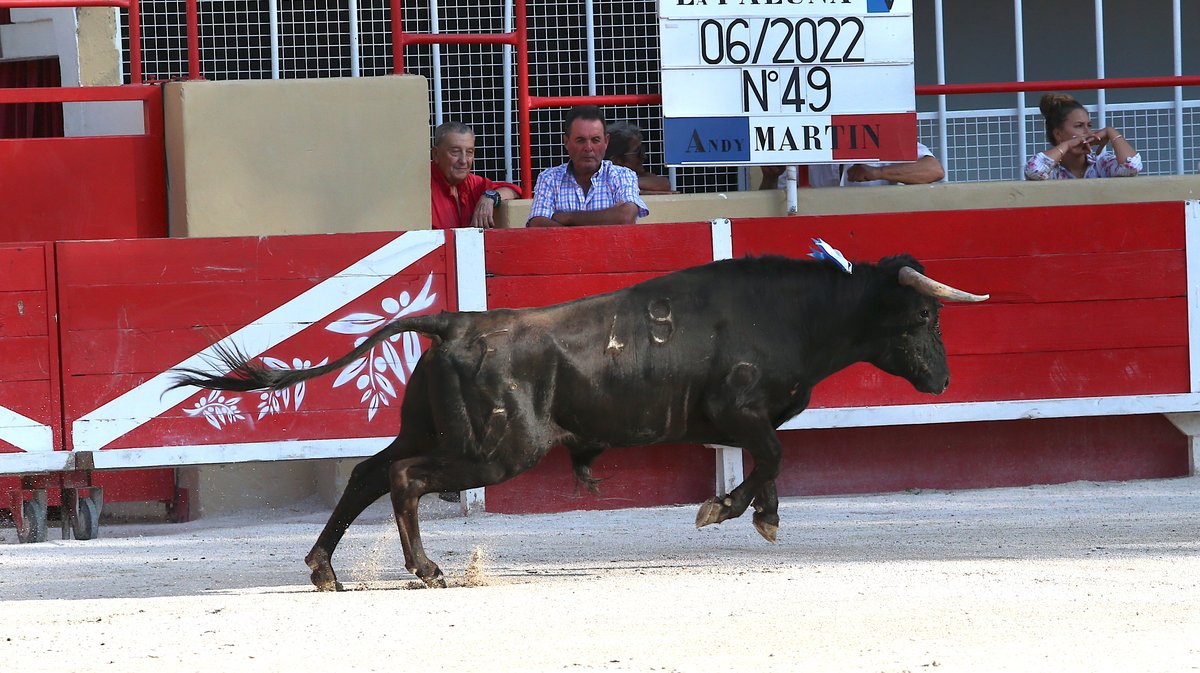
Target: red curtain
30,120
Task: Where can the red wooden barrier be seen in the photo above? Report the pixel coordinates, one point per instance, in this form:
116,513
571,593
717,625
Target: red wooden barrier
133,309
30,406
536,267
89,187
1064,374
1086,302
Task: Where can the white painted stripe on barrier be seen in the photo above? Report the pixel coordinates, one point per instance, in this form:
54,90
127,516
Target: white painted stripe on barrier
722,239
1008,410
98,428
730,470
1191,224
39,461
469,263
359,447
25,433
468,269
249,452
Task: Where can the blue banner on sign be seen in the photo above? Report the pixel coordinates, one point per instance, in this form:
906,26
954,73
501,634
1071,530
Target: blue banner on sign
689,140
879,5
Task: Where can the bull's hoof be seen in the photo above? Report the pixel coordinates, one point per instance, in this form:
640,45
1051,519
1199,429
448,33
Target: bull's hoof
765,529
325,584
323,577
436,581
712,511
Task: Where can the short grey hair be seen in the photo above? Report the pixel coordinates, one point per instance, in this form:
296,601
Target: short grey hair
445,129
620,138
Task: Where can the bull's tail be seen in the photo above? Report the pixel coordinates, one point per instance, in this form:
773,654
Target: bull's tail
245,375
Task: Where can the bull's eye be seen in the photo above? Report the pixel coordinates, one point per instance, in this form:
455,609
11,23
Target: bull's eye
924,314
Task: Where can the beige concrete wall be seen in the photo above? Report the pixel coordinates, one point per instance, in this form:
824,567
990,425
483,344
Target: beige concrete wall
901,198
99,55
297,156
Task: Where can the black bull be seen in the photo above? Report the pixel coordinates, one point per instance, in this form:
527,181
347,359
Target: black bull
717,354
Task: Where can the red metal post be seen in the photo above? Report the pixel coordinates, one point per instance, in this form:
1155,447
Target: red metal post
135,42
193,39
398,39
520,15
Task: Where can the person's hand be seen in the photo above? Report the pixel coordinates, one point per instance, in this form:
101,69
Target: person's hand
770,176
1107,136
484,216
863,173
1086,142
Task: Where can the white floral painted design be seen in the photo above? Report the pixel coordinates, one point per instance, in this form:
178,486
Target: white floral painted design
217,410
370,373
275,401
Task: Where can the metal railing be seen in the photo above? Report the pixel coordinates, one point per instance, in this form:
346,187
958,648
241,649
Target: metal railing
130,6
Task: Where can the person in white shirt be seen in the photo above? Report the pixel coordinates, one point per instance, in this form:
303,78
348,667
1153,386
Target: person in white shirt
924,170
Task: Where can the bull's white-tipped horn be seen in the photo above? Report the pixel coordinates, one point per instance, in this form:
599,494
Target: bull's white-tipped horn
930,287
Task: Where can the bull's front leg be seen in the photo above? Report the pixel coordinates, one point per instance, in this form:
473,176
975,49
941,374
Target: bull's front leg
766,512
733,409
759,487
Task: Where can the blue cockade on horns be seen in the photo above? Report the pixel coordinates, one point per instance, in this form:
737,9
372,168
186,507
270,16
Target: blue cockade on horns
826,251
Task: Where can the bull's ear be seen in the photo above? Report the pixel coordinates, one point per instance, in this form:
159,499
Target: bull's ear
890,266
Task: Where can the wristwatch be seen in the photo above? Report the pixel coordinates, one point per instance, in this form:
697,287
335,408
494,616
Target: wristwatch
494,196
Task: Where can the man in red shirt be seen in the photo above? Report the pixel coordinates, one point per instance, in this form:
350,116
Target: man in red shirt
459,198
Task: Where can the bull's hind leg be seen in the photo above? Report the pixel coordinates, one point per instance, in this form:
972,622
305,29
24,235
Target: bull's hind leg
368,483
410,479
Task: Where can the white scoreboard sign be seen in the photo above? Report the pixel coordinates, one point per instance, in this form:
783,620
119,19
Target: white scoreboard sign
787,81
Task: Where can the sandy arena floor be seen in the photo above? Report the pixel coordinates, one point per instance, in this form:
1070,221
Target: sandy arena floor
1080,577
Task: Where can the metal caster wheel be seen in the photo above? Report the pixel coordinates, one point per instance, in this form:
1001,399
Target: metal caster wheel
33,519
86,522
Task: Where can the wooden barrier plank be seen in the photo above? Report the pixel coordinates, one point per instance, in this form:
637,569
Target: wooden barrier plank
35,399
1031,328
23,268
1012,232
586,250
165,305
25,358
980,455
1060,278
1065,278
640,477
527,291
24,313
1027,376
203,260
175,429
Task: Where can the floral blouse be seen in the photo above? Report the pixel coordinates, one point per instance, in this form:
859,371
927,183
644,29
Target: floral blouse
1105,165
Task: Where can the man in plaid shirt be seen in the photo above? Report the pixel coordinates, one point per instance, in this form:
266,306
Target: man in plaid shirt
587,189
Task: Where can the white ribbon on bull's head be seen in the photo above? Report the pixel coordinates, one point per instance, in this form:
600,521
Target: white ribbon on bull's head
827,252
930,287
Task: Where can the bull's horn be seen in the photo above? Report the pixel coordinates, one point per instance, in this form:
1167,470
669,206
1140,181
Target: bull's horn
930,287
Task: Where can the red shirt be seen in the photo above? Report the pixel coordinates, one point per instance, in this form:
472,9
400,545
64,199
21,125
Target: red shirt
450,211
